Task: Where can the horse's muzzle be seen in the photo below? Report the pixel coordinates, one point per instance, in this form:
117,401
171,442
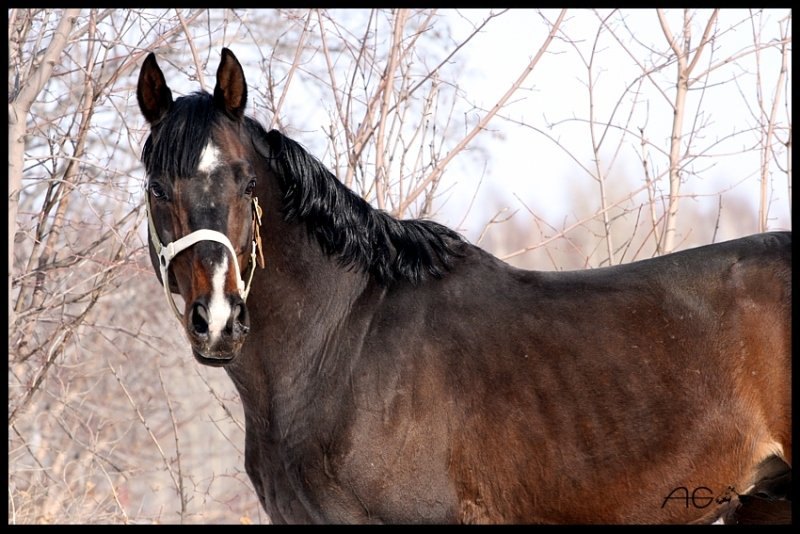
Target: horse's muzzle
215,361
217,332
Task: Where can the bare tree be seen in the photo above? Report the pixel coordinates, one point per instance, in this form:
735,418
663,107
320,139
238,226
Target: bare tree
22,94
641,217
77,411
110,420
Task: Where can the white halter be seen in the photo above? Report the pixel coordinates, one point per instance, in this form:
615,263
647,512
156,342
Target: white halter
167,252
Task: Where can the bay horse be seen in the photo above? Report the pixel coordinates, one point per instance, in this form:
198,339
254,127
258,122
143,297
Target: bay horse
392,372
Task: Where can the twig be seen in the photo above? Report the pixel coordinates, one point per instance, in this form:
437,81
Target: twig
295,63
180,488
440,167
386,88
198,67
580,222
142,420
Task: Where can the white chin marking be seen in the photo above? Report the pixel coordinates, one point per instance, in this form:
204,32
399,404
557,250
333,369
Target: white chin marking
209,159
218,308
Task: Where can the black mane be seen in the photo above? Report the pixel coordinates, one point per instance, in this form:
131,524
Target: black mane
344,224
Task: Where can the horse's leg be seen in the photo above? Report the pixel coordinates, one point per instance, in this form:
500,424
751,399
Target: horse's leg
768,502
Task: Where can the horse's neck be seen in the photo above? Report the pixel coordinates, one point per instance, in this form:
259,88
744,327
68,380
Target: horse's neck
298,306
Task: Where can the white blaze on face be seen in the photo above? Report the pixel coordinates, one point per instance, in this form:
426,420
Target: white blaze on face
209,160
219,310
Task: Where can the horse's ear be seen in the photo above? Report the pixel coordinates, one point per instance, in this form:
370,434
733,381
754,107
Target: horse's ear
230,94
154,97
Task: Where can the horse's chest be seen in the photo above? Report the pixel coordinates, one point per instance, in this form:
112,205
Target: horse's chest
297,485
276,487
306,485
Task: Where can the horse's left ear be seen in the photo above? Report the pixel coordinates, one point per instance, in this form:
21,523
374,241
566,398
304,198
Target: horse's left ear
230,94
155,98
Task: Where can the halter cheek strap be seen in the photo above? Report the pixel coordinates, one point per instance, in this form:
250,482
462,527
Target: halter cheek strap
167,252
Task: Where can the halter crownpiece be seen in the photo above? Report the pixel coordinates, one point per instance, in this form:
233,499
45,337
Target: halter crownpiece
167,252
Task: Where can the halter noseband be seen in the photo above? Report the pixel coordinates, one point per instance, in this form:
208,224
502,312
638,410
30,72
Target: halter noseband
167,252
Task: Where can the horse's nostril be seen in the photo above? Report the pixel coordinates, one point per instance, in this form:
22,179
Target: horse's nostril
241,314
238,325
199,318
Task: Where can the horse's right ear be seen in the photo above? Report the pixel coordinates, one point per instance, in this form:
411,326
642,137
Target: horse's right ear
230,93
154,97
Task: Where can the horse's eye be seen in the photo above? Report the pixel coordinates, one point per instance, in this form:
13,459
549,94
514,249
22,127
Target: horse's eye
251,187
157,191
